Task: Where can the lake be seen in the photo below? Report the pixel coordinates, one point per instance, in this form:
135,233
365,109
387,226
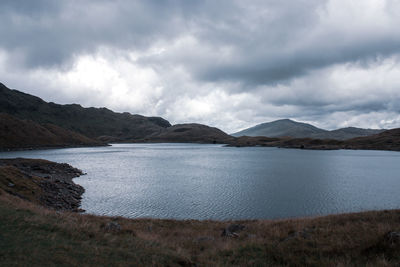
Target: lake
194,181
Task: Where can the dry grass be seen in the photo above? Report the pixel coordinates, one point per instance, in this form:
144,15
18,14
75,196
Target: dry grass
16,133
14,182
34,235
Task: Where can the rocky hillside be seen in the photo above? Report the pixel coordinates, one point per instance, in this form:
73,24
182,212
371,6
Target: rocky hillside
191,132
42,182
387,140
347,133
16,133
44,121
290,128
91,122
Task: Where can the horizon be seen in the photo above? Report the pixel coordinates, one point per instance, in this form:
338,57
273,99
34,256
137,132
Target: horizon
226,64
188,122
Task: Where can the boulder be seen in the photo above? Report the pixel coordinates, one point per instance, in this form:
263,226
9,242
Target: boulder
392,237
232,230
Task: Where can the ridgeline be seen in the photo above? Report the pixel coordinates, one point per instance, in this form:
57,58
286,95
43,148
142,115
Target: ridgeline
28,122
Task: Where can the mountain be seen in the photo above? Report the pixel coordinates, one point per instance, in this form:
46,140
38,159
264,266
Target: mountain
91,122
190,132
281,128
289,128
31,112
16,133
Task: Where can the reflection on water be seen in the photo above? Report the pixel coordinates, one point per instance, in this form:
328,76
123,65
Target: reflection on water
215,182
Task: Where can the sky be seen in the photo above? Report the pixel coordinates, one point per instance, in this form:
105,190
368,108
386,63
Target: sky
229,64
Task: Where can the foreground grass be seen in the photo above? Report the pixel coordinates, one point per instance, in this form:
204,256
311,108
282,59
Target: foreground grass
35,236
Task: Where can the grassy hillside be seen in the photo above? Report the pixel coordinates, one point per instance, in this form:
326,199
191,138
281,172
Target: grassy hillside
32,235
16,133
35,236
92,122
190,132
349,133
387,140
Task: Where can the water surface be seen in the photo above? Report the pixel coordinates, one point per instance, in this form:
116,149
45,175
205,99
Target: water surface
191,181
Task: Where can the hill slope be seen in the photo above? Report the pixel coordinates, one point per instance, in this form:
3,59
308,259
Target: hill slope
190,132
92,122
280,128
16,133
289,128
387,140
347,133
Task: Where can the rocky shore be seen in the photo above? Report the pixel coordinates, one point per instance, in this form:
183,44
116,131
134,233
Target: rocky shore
43,182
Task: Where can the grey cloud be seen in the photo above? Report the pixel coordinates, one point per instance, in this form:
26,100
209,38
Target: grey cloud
270,41
50,33
237,46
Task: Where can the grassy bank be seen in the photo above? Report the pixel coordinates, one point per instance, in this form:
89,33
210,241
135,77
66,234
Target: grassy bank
33,235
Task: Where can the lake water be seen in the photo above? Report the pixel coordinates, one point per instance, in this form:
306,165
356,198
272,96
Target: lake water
191,181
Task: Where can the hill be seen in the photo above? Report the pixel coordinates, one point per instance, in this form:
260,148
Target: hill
91,122
387,140
290,128
281,128
190,132
16,133
347,133
99,123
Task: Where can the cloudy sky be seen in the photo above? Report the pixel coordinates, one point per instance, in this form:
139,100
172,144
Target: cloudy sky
229,64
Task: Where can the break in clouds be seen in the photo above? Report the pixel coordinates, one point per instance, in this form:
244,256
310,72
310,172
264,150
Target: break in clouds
229,64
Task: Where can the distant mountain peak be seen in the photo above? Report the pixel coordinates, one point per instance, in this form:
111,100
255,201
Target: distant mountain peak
291,128
285,120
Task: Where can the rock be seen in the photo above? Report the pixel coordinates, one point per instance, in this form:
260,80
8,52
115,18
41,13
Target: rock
392,237
79,210
235,227
112,227
232,230
11,185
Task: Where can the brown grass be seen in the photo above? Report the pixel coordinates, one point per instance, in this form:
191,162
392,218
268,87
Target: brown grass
16,133
337,240
16,183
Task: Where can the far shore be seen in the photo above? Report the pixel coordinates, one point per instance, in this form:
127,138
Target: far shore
29,148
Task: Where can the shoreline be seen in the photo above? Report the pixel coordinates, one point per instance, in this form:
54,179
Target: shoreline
353,239
346,239
30,148
42,182
295,143
57,179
